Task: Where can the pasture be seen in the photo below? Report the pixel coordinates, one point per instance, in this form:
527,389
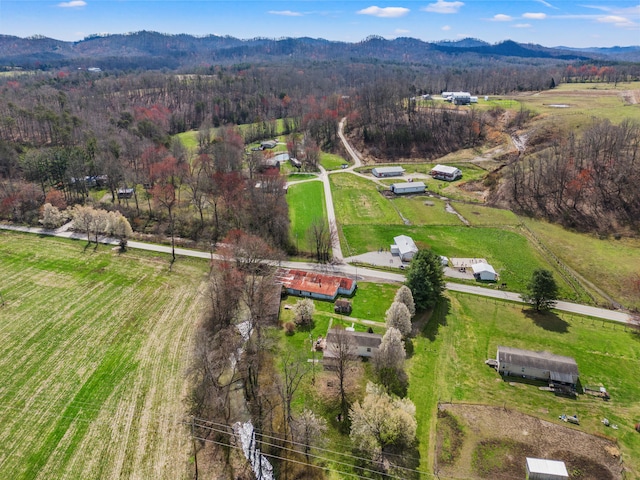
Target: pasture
448,366
331,161
306,204
512,255
358,201
612,265
95,349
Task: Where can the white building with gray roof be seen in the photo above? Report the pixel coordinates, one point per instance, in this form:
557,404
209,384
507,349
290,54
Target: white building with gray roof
537,365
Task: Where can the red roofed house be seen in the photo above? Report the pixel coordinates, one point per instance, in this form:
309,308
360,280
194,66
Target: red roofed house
315,285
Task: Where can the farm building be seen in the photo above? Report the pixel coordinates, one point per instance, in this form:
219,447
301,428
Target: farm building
445,172
268,144
315,285
366,344
342,305
408,187
484,271
125,193
461,98
404,247
538,365
382,172
541,469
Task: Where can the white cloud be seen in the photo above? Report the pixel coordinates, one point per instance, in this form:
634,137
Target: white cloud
285,13
442,6
522,25
621,22
502,18
73,4
547,4
386,12
535,16
402,31
446,28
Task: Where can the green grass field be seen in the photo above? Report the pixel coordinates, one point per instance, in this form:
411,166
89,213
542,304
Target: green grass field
510,253
95,347
306,203
448,365
421,210
331,161
612,265
357,201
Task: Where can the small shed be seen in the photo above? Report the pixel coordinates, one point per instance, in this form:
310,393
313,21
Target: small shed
446,172
382,172
484,271
461,98
404,247
342,305
125,193
542,469
408,187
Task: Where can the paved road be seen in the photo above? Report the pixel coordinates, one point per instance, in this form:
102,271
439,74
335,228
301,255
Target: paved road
338,269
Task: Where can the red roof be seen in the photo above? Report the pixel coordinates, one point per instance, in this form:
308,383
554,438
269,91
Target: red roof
313,282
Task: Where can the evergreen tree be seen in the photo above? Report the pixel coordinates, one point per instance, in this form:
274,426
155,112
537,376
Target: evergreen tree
425,279
542,290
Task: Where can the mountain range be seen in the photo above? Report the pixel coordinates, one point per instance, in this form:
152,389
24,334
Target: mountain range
147,49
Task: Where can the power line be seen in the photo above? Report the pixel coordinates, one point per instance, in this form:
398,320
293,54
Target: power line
270,455
413,457
347,455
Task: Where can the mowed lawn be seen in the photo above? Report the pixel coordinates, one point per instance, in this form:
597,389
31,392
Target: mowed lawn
358,202
306,204
505,248
448,365
95,346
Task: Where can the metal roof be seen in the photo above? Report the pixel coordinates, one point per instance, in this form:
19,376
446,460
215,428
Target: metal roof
388,169
549,467
409,185
482,267
445,169
562,367
405,244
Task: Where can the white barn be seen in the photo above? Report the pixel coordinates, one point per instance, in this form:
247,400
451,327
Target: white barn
484,271
445,172
408,187
381,172
404,247
541,469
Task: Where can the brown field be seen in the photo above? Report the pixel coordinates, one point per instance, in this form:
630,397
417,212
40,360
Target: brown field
496,442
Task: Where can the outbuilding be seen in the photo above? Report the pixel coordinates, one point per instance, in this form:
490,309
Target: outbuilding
484,271
408,187
404,247
461,98
315,285
382,172
445,172
546,366
542,469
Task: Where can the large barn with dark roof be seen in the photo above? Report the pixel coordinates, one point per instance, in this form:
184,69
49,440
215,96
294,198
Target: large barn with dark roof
538,365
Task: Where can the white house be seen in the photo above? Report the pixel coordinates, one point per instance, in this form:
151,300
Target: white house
365,344
484,271
541,469
408,187
445,172
461,98
404,247
387,172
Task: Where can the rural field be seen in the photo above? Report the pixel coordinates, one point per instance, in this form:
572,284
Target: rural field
448,366
306,204
95,349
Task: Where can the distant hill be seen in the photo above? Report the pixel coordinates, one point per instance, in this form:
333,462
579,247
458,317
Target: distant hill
155,50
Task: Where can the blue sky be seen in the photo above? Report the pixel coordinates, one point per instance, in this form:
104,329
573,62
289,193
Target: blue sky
584,23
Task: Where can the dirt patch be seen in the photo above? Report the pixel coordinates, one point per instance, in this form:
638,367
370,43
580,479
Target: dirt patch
497,441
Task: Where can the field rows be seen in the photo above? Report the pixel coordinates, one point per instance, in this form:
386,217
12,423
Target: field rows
95,347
